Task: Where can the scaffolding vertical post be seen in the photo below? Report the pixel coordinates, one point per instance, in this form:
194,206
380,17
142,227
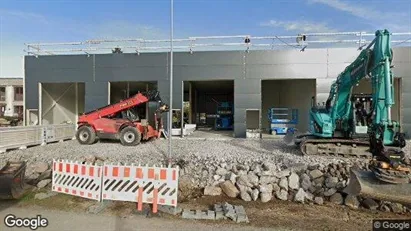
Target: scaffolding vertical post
170,117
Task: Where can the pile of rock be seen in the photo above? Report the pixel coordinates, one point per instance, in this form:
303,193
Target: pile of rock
299,183
38,174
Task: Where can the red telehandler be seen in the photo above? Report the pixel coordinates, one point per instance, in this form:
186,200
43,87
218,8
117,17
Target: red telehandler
120,122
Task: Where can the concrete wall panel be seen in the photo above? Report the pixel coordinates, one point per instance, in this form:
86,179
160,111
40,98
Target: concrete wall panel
239,129
402,55
244,101
247,100
252,86
130,74
323,89
208,72
334,69
209,58
60,75
287,71
240,115
402,70
286,57
131,60
58,62
342,55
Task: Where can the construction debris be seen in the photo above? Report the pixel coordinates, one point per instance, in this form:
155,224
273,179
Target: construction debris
221,211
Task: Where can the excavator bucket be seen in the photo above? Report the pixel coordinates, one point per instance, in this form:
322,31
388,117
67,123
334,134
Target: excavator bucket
289,137
12,185
365,184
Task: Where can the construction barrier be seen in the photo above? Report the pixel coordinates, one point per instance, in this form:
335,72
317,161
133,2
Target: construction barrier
141,184
83,180
24,136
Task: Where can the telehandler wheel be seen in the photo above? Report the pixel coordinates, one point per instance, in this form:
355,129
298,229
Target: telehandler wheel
130,136
86,135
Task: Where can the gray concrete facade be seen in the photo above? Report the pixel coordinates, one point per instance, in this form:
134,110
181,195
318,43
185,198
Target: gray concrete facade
246,69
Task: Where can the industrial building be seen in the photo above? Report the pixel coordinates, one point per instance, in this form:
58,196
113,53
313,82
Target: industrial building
246,82
11,97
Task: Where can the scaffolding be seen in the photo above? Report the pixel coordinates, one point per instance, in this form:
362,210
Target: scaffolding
236,42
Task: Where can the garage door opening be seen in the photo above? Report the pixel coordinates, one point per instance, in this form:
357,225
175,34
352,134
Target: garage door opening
122,90
210,105
364,87
60,103
285,103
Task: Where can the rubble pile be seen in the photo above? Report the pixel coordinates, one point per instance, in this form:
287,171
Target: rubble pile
38,174
313,184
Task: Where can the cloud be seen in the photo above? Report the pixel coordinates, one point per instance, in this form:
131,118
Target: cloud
299,25
398,20
23,15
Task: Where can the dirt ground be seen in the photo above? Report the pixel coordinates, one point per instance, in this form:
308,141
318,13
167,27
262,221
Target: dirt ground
275,214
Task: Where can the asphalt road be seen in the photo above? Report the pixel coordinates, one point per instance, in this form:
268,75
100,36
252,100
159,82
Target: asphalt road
71,221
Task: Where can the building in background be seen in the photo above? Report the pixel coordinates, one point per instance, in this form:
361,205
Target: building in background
11,97
61,86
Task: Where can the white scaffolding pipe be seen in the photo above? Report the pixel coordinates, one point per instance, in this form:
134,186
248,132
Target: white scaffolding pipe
53,44
192,42
334,33
274,37
220,37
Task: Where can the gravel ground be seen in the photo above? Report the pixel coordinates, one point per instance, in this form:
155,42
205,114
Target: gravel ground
154,152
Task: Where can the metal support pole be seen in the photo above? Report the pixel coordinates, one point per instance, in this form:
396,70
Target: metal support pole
170,118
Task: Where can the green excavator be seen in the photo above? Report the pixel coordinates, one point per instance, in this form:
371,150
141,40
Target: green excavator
342,126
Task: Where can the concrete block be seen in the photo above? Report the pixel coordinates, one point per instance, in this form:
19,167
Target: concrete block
200,214
241,214
219,215
210,215
188,214
229,211
218,207
170,209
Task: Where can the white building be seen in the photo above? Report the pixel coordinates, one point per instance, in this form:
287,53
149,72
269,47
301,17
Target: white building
11,97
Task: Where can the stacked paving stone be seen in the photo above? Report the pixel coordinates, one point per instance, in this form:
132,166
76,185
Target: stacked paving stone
221,211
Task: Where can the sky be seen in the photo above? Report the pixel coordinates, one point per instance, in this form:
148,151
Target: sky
79,20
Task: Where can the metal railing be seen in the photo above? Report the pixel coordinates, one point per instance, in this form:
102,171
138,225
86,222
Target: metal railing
25,136
191,44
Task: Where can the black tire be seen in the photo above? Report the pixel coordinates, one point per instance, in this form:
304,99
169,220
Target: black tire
130,136
86,135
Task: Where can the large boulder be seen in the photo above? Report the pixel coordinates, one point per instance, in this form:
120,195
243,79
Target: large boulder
229,189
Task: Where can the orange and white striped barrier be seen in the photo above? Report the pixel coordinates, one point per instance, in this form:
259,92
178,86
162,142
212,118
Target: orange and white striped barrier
141,184
77,179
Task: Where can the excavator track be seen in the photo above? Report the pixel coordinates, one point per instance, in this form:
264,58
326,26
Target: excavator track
336,147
